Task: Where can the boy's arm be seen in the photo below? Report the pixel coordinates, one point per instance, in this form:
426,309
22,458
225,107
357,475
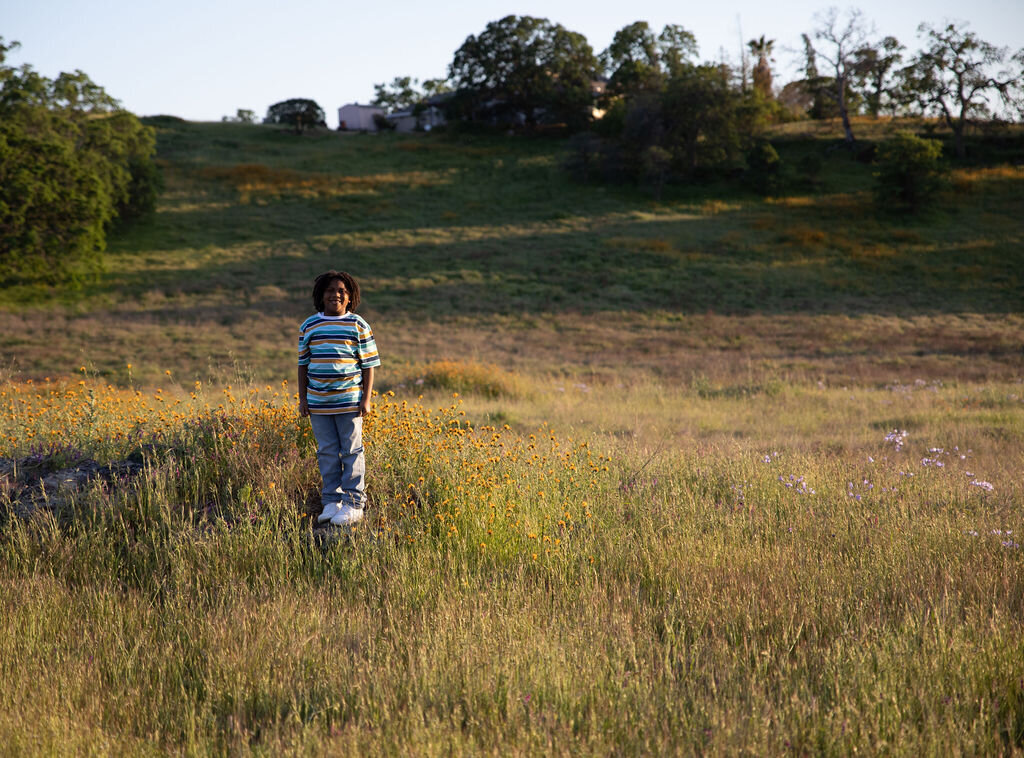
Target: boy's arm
365,404
303,384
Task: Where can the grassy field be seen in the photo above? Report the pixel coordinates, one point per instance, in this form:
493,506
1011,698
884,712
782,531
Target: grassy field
710,474
484,250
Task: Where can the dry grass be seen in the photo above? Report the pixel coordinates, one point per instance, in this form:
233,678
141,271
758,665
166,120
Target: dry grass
662,345
254,181
653,245
486,380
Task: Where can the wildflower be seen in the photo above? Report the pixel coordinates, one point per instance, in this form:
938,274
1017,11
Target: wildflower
987,486
897,438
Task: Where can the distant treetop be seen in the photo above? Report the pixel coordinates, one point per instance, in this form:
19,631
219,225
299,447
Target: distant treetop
298,112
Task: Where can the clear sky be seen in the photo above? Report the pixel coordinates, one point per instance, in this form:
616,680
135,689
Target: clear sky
204,59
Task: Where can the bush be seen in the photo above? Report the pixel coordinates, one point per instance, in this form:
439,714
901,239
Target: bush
910,173
584,156
764,167
383,123
482,379
656,163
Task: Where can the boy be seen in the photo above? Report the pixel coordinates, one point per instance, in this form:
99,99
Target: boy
337,355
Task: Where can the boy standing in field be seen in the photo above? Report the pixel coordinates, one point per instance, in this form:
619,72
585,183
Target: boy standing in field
337,355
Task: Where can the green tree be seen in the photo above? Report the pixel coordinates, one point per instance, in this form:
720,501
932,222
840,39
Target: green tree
632,60
524,69
298,112
242,116
637,61
909,172
814,85
677,48
874,70
401,94
956,74
708,123
71,163
434,87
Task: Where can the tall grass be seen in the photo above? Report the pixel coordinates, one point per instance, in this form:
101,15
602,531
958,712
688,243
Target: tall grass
519,593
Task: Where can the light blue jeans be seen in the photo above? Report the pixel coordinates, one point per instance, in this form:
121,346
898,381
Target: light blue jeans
339,442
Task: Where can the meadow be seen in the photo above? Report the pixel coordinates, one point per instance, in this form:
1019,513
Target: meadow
707,474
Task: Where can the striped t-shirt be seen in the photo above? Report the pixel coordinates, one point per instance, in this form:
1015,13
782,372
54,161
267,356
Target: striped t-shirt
336,349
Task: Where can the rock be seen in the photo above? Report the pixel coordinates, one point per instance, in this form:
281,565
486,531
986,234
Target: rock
32,488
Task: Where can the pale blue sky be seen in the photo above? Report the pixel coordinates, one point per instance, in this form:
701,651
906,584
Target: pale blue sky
203,59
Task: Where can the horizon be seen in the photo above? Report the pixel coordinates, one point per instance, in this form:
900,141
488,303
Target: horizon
236,52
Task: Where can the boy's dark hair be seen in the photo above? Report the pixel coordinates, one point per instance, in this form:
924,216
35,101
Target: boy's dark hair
320,286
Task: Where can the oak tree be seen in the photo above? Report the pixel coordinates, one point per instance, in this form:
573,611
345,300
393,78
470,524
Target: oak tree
72,162
958,74
522,69
298,112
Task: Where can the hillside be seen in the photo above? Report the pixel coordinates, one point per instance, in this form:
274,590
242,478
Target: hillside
710,475
481,248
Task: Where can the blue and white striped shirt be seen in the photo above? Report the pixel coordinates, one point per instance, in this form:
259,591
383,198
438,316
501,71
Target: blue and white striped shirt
336,349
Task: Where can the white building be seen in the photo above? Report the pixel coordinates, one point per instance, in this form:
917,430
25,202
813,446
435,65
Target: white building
359,118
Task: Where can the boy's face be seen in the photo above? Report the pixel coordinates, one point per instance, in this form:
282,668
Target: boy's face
335,299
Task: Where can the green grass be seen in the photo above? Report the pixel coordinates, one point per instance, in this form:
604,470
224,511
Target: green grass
465,245
655,385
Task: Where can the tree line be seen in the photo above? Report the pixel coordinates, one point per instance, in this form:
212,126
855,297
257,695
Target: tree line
72,164
649,88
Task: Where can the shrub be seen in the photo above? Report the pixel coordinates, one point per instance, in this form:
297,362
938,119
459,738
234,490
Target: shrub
479,378
763,167
584,155
910,173
383,123
656,163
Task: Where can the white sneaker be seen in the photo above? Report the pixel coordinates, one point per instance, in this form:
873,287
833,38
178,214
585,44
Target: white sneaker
347,515
330,511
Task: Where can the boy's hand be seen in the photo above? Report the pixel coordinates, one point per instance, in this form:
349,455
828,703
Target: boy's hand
303,408
365,406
